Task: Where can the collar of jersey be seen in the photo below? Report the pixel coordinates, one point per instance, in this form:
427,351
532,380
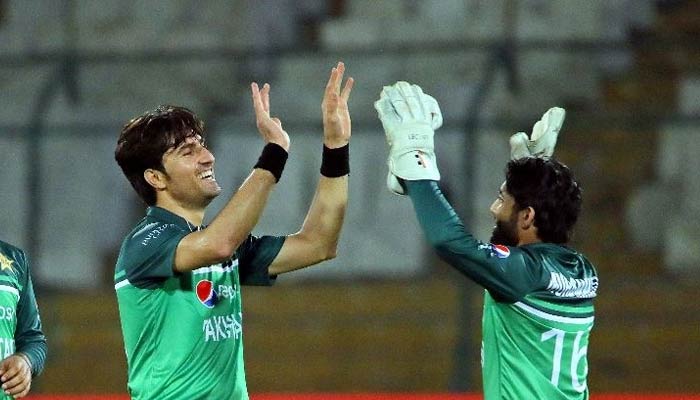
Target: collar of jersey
164,215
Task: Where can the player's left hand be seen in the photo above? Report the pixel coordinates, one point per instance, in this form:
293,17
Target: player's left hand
543,138
16,376
336,116
409,118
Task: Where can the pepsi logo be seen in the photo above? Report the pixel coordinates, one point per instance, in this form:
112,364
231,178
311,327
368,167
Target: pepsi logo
206,293
500,250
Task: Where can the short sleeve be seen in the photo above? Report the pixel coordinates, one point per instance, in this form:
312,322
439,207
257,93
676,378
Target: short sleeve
149,255
255,256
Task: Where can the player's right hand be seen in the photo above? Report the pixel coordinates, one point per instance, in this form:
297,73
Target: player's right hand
336,116
16,376
543,138
409,118
270,128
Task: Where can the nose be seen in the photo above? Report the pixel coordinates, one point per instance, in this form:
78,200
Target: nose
494,208
206,156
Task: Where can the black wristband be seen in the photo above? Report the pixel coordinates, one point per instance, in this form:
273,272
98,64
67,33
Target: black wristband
273,159
335,162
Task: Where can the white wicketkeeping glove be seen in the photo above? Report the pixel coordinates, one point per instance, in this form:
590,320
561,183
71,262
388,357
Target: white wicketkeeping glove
543,138
409,118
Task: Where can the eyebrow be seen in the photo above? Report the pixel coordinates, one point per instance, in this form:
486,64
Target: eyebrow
184,146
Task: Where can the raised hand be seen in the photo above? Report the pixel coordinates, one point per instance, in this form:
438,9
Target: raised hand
543,138
410,118
270,128
336,116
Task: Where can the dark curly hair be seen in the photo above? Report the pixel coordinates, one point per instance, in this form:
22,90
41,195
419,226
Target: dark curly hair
547,186
145,139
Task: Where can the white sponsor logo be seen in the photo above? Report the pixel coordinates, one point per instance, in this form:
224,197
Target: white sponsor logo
222,327
562,286
7,347
7,313
226,291
155,233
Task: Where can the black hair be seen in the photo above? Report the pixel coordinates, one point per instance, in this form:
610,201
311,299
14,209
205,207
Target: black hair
549,187
145,139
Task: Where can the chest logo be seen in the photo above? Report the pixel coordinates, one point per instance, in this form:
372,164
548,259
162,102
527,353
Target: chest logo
500,250
5,262
206,293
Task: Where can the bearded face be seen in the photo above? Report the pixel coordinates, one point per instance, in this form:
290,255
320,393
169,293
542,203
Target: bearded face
505,232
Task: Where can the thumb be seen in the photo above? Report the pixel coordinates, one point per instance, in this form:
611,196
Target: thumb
551,122
518,146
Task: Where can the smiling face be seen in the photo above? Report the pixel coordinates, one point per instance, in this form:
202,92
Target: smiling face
188,176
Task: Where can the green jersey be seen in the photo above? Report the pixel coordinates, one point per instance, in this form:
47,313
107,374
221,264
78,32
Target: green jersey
20,325
538,309
183,332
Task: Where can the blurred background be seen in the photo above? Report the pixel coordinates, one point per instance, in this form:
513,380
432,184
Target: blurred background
386,315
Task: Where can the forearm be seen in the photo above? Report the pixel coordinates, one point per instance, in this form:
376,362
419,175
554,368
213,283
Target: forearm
34,352
230,227
30,341
240,215
439,222
444,230
507,277
317,240
327,211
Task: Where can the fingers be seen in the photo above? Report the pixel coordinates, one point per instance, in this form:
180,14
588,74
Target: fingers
257,99
518,146
409,94
345,94
551,121
387,113
336,79
261,98
16,380
384,108
20,384
265,94
333,85
397,101
432,110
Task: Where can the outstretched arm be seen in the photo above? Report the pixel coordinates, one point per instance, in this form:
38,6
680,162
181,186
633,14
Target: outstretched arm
318,238
239,216
409,120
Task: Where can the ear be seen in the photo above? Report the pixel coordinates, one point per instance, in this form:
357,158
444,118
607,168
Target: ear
155,178
526,218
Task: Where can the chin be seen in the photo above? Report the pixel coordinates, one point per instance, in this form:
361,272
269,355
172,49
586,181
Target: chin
503,235
213,194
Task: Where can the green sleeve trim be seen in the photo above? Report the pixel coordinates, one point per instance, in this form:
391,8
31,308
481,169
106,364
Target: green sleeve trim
9,289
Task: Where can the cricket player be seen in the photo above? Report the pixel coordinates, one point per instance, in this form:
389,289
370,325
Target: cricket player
22,341
538,302
177,281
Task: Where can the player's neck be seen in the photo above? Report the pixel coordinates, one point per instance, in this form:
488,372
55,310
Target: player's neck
194,215
528,236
